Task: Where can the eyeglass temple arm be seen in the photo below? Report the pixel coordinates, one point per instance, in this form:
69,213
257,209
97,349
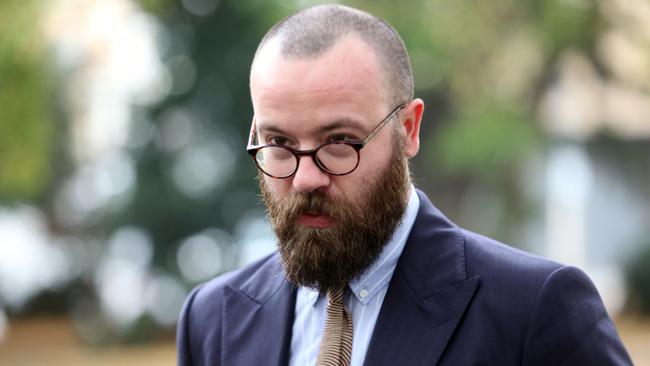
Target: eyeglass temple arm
251,136
386,120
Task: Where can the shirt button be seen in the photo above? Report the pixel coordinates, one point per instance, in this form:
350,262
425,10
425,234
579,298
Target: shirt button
363,293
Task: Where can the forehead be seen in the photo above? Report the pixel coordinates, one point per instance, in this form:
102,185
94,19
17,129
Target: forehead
346,81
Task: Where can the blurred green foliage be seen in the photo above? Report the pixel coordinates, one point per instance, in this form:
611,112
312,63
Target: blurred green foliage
26,123
484,140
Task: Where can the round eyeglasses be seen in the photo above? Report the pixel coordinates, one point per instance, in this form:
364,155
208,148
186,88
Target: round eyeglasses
334,157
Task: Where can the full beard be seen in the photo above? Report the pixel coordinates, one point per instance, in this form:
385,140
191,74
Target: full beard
329,258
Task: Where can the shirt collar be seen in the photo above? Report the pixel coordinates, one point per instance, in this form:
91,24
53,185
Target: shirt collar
376,277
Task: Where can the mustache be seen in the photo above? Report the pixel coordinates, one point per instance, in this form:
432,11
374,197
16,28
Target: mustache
315,203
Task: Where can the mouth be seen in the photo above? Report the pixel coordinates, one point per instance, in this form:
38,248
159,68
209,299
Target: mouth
315,220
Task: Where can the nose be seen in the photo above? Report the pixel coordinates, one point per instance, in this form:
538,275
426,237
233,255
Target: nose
309,177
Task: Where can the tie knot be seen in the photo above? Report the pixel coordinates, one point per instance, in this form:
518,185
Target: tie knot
336,295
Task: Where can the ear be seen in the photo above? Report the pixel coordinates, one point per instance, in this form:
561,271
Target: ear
412,116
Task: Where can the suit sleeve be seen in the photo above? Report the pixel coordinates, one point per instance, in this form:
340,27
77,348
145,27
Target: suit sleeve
183,332
570,326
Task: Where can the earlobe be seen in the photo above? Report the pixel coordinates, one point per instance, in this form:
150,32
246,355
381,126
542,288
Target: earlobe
411,124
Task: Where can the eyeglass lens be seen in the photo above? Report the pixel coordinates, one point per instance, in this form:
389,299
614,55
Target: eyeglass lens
335,158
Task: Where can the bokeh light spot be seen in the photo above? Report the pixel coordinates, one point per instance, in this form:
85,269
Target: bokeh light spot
201,256
201,7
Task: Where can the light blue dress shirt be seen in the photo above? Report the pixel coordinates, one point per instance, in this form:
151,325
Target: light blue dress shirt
364,300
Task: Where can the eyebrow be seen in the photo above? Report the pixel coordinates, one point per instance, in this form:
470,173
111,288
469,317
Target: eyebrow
331,126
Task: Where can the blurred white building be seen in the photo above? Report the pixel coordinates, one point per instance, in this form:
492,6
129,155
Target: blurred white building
597,170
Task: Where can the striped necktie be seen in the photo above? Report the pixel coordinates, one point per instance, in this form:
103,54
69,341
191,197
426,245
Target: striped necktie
336,342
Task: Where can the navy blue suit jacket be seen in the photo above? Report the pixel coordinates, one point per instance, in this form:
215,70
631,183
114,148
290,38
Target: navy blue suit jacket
456,298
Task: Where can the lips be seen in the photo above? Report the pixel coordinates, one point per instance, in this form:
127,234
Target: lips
315,220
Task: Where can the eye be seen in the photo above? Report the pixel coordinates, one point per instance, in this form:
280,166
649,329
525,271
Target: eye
340,138
277,140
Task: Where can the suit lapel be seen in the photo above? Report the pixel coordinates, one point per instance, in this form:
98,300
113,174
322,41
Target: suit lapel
427,295
258,319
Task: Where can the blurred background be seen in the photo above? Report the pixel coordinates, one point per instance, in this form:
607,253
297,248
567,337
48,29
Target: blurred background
124,180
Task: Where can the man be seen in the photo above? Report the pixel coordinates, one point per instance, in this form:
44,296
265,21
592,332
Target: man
368,271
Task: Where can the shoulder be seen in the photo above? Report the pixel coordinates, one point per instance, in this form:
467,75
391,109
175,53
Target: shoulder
560,315
249,278
200,323
547,313
507,272
487,256
459,254
204,304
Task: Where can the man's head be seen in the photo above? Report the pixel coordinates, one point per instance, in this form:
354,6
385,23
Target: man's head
332,73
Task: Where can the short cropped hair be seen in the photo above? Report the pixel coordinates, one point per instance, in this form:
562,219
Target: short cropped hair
311,32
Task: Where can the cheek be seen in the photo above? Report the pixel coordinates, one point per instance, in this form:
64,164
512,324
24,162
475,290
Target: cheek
277,186
374,161
354,187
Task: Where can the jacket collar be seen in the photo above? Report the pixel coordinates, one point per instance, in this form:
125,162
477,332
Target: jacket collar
427,296
258,317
